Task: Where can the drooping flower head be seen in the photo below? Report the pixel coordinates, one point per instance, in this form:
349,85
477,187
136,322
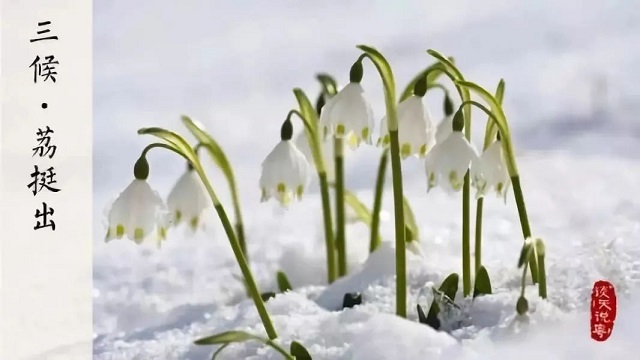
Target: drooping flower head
490,171
285,171
187,199
416,133
348,114
447,163
139,211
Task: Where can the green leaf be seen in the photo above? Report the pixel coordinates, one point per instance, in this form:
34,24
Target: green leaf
434,70
483,284
450,286
265,296
214,149
410,221
219,351
310,117
283,282
233,336
359,208
422,318
329,84
174,140
490,128
299,352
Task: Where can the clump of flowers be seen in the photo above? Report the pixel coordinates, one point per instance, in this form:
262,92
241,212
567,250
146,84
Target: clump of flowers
451,162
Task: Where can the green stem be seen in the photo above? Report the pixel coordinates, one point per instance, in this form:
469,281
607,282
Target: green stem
328,228
524,222
466,238
478,246
377,202
401,272
338,149
242,261
386,74
542,277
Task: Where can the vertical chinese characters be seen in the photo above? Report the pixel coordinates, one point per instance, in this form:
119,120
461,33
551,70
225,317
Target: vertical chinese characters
603,310
43,178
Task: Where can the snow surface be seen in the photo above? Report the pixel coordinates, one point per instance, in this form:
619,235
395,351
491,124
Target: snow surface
232,65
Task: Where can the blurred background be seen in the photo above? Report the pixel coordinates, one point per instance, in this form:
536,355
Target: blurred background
232,66
571,69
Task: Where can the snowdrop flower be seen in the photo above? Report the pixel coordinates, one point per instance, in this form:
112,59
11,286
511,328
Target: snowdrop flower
285,171
187,199
449,160
416,133
490,171
138,211
348,114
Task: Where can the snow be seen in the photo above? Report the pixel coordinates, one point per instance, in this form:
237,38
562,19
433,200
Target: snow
232,66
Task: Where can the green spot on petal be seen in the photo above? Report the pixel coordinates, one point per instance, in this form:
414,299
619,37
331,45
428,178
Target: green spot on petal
423,150
281,188
178,216
454,180
162,233
405,150
194,223
499,187
340,130
119,231
138,235
299,191
386,140
365,133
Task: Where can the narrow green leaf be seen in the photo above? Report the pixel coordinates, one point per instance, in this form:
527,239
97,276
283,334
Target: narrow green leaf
410,221
299,352
329,84
422,318
359,208
174,140
283,282
228,337
265,296
434,70
483,284
450,286
310,117
214,149
219,351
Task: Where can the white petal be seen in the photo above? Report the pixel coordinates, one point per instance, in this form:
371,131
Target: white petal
188,199
285,173
349,112
136,213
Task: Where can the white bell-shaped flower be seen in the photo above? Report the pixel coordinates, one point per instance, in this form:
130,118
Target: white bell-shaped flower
187,200
448,162
490,171
137,213
285,171
349,115
416,133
